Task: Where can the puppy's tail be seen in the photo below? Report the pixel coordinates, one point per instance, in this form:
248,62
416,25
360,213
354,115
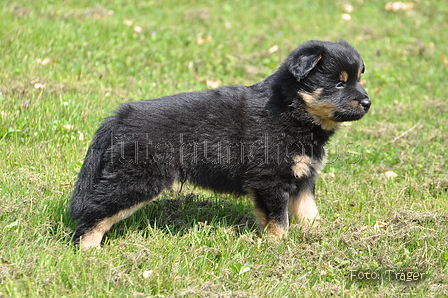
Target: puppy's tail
91,170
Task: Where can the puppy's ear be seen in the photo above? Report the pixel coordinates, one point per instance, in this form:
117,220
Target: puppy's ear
302,61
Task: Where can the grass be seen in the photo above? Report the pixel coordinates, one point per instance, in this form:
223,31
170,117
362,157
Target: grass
67,64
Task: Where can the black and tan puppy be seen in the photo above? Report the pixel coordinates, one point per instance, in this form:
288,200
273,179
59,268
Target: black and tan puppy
265,140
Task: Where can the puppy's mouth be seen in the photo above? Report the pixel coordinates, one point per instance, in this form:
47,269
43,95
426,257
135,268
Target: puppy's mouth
346,116
328,115
352,112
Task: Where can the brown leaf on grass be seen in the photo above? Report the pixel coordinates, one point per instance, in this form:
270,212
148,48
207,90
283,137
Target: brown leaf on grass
69,126
377,90
390,174
128,22
444,60
273,49
147,273
346,17
39,85
212,83
348,8
323,272
98,11
26,104
138,29
399,6
380,224
338,221
328,175
200,14
19,10
47,61
200,40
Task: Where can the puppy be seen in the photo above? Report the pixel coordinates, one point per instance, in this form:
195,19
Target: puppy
265,140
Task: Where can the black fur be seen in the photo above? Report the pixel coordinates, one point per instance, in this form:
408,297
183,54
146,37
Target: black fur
237,139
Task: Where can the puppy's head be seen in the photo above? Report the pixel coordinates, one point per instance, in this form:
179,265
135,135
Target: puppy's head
328,76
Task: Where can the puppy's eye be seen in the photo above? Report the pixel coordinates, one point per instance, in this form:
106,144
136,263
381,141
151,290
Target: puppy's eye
340,85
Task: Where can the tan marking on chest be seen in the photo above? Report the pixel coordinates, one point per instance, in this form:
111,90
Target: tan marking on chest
303,165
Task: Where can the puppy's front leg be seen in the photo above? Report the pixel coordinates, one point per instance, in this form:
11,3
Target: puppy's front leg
271,209
303,206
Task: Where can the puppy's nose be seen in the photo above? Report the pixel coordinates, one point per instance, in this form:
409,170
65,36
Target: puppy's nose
365,103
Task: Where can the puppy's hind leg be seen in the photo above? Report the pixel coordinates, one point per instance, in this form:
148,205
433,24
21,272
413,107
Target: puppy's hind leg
114,198
90,233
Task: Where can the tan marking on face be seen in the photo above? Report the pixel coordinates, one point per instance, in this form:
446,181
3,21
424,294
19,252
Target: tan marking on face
93,237
356,105
343,76
268,226
321,110
304,208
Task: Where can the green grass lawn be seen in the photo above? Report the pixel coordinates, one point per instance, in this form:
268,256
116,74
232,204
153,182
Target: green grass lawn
65,65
